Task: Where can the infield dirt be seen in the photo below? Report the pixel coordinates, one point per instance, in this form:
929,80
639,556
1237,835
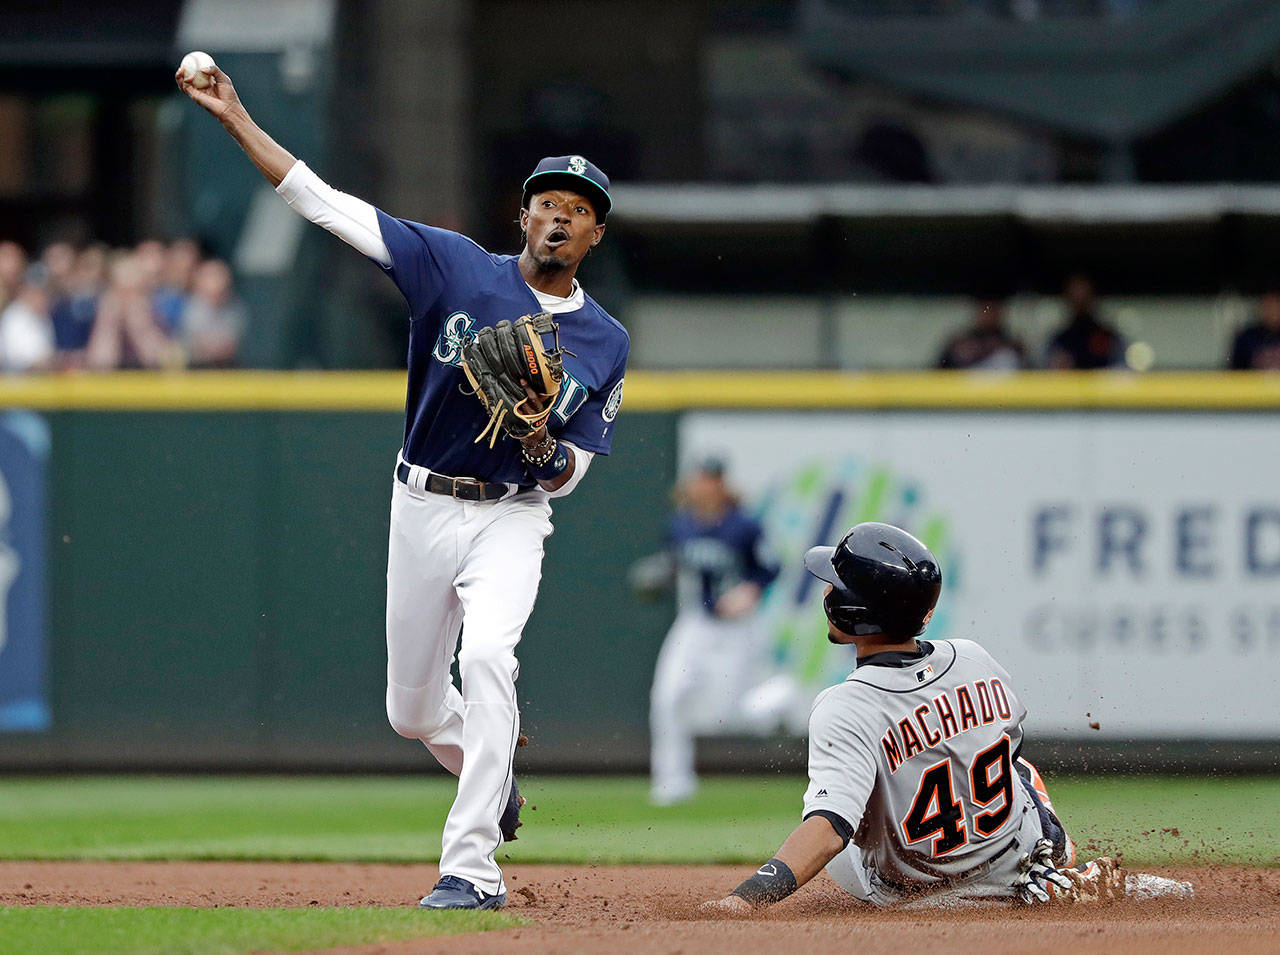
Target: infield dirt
618,909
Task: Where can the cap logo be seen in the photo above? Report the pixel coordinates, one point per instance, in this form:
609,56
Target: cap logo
578,165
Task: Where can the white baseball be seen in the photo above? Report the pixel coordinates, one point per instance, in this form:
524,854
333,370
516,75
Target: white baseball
196,68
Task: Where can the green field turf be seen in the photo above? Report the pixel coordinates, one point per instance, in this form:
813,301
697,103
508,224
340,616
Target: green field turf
45,930
600,820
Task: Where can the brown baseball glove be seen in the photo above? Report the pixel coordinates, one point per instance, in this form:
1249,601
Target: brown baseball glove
501,360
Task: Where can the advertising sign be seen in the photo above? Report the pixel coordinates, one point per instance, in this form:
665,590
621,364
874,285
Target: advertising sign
1124,567
24,449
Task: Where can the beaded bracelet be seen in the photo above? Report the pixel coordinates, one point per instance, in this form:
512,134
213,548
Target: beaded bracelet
540,453
548,465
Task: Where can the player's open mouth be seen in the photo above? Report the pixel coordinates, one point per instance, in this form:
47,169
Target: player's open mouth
557,237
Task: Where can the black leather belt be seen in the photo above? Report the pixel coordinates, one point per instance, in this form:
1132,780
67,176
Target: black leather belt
460,489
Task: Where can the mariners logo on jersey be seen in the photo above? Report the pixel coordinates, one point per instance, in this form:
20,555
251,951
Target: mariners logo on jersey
614,403
456,328
454,287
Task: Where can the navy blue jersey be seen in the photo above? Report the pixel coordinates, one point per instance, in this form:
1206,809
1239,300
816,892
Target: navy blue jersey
712,558
453,288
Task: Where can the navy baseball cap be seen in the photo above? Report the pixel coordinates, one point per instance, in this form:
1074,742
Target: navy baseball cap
712,467
571,172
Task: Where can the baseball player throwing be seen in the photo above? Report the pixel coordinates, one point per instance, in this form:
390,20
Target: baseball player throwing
468,516
917,789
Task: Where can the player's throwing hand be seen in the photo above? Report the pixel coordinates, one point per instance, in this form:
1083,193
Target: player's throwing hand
218,97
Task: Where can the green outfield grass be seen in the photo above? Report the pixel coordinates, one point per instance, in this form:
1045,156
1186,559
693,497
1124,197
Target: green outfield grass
44,930
598,820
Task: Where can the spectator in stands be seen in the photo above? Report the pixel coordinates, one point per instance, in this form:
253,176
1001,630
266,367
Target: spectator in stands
167,300
180,261
26,334
55,266
214,318
74,312
155,306
1085,342
55,269
151,256
1257,346
986,344
13,271
126,333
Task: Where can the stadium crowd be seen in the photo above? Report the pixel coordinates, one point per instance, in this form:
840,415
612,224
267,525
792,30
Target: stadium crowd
155,305
165,305
1087,341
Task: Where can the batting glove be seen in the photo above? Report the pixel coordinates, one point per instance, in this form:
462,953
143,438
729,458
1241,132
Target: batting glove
1037,875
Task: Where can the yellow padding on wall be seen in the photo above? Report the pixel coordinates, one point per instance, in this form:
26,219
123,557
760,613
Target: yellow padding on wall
209,391
660,391
1029,390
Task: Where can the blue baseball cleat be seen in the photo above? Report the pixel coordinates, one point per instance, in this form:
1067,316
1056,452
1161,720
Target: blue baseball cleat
509,821
452,892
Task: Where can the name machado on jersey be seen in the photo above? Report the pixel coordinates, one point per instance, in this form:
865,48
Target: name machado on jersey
992,700
914,755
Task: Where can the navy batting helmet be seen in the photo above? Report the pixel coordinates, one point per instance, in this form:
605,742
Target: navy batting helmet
883,581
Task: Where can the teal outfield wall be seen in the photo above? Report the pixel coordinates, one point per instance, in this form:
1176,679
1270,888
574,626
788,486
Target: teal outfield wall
217,583
215,578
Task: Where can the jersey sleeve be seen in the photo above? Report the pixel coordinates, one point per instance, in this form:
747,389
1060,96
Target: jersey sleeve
352,220
422,257
591,426
842,766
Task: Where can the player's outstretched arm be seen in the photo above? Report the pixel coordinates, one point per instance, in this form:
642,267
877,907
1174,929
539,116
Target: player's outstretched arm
352,220
222,102
806,852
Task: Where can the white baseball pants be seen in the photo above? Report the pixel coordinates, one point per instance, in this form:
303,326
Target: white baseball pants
704,668
471,568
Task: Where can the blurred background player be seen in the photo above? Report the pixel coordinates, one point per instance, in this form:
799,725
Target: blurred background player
708,660
917,786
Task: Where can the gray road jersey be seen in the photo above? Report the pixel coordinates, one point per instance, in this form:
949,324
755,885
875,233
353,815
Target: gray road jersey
918,760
